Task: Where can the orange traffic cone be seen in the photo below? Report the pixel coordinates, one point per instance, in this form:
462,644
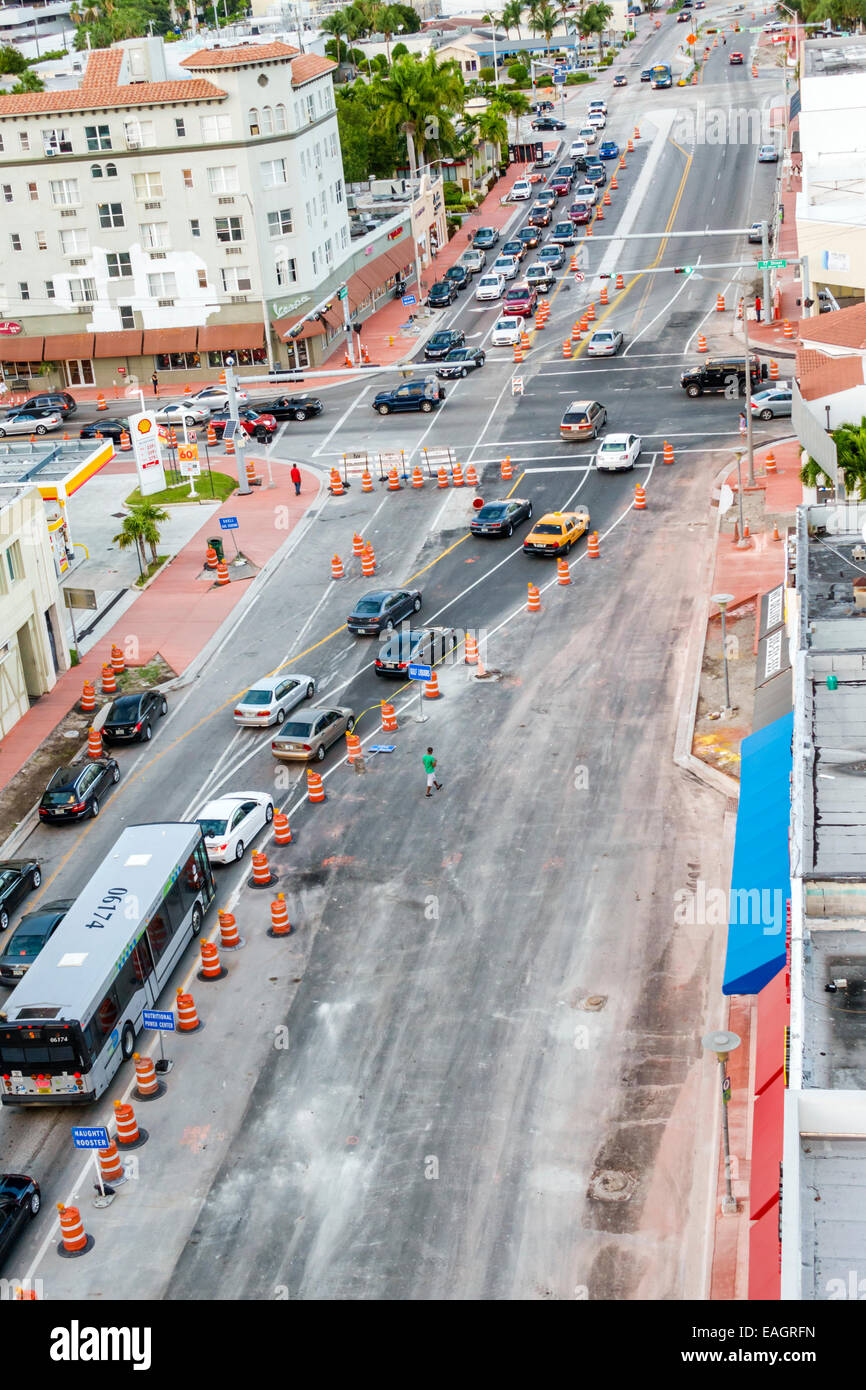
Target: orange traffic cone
506,469
230,937
109,680
73,1239
280,924
87,703
563,573
188,1020
592,547
315,787
336,567
668,452
389,718
129,1135
702,343
211,966
147,1084
94,743
366,481
639,498
431,687
533,603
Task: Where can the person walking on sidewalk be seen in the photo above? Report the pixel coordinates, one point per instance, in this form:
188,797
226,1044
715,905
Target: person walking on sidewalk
430,769
295,476
757,308
155,381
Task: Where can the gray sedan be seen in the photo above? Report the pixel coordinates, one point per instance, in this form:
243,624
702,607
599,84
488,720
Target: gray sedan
605,342
309,734
766,405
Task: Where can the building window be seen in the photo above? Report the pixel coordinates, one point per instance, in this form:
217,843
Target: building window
177,362
202,279
127,317
311,107
179,128
229,228
215,129
111,171
315,261
223,179
194,227
96,171
23,289
162,286
64,193
41,241
119,265
323,203
74,242
267,121
147,186
23,141
253,121
310,215
187,178
110,214
139,134
317,153
82,291
244,357
56,140
155,236
49,289
7,192
236,279
281,120
273,172
15,238
329,252
338,191
14,566
287,270
344,237
16,369
280,223
98,137
334,145
33,192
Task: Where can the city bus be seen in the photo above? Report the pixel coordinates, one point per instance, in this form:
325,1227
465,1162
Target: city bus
661,75
66,1028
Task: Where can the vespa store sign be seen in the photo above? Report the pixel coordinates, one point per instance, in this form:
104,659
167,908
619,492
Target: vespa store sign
9,329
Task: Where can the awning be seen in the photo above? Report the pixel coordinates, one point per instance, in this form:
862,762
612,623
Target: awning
126,343
311,329
20,349
231,335
765,1278
169,340
766,1156
69,346
761,874
773,1013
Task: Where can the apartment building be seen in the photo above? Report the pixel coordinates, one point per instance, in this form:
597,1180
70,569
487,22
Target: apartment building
160,217
33,643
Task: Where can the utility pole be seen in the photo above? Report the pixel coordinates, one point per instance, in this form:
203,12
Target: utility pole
343,293
749,442
765,257
231,391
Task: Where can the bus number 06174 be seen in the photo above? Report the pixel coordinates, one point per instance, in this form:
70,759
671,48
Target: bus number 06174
107,907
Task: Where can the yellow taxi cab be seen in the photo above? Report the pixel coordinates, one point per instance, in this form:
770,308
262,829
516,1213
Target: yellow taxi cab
556,532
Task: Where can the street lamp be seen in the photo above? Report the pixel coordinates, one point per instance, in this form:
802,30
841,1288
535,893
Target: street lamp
743,541
723,600
723,1043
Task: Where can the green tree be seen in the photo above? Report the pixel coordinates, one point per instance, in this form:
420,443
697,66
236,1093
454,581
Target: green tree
29,81
11,60
511,15
544,21
418,99
131,536
517,105
340,26
389,21
398,51
492,126
850,441
151,518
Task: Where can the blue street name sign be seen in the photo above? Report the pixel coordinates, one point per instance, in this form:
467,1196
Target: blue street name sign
409,299
561,75
159,1020
383,747
420,673
228,523
90,1137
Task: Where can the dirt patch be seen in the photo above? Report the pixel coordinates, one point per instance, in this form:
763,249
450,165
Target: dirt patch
716,739
68,739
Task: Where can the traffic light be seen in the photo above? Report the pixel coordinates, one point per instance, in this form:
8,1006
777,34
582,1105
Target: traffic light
683,269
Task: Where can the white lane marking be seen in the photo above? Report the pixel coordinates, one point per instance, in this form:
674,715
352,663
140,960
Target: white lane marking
663,310
317,452
712,310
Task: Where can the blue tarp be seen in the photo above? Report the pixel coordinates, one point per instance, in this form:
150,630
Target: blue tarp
761,874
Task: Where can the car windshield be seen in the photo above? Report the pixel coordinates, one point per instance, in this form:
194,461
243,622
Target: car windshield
258,697
124,708
296,728
211,829
602,337
368,605
548,528
440,340
491,513
488,280
516,294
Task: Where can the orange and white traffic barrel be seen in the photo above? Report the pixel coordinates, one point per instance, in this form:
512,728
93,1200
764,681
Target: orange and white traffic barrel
280,924
129,1134
73,1240
230,937
212,967
188,1020
147,1084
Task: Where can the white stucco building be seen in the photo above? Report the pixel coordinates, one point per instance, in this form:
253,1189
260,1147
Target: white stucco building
33,643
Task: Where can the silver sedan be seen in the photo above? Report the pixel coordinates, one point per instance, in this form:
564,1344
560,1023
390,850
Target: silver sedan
605,342
270,699
184,413
766,405
29,422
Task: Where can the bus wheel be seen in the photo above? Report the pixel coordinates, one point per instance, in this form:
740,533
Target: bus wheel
127,1041
196,920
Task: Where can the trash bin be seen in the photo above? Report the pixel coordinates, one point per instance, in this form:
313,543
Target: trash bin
217,544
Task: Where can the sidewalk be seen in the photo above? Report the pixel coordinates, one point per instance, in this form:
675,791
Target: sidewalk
179,611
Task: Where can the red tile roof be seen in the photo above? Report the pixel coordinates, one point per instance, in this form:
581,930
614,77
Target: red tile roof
103,94
207,58
103,68
830,376
841,328
308,66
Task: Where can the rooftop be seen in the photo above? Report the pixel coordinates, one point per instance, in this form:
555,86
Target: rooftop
833,1187
843,328
212,59
819,375
827,57
100,89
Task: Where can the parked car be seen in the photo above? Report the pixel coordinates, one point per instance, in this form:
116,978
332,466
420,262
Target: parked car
506,332
582,420
776,401
521,190
18,877
513,247
768,154
556,532
426,647
506,266
605,342
308,736
540,276
132,717
620,80
230,823
562,235
112,428
36,421
381,609
521,299
718,374
182,412
460,362
485,238
530,236
500,518
77,791
291,407
474,260
608,149
60,401
216,397
271,698
441,343
552,254
28,938
424,395
443,293
490,287
20,1200
459,275
547,123
618,452
540,215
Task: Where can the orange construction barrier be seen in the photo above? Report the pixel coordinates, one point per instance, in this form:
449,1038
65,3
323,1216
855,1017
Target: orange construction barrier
630,147
603,294
252,476
702,343
517,354
584,324
471,476
211,966
470,650
668,452
599,214
506,469
73,1240
573,266
639,498
457,475
593,549
533,604
566,348
575,331
336,567
335,486
787,331
110,1166
720,303
620,283
125,442
417,477
366,481
101,403
613,182
280,924
211,559
230,937
774,370
109,679
442,480
129,1135
147,1084
606,200
394,484
94,743
368,564
637,132
87,703
590,313
222,573
188,1020
230,445
211,435
563,573
389,718
357,544
315,788
353,747
431,687
117,662
262,876
770,463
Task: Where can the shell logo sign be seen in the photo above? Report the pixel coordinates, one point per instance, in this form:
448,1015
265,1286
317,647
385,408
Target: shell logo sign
144,426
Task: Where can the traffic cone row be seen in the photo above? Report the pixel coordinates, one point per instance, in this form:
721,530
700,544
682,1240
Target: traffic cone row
563,573
129,1135
417,477
394,484
117,662
147,1083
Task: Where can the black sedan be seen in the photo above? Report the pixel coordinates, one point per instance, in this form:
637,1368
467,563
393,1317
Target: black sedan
18,877
426,647
20,1199
620,80
500,518
458,275
132,717
74,792
28,938
291,407
547,123
461,361
382,609
441,343
109,429
540,215
530,236
443,293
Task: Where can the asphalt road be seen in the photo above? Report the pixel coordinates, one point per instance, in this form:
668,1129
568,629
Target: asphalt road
447,1102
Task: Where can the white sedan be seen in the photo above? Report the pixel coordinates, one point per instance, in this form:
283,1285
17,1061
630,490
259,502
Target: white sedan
618,452
605,342
578,147
270,699
214,397
521,190
490,287
183,413
506,266
231,823
598,104
597,119
506,332
586,193
587,134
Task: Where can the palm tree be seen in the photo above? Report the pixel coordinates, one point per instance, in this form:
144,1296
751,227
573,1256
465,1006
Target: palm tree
544,21
418,99
598,17
339,25
850,441
517,105
388,19
131,534
511,14
151,517
492,126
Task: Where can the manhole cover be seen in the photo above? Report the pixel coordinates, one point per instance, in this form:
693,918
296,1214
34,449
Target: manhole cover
612,1186
593,1003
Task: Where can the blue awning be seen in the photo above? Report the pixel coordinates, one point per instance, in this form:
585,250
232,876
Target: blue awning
761,874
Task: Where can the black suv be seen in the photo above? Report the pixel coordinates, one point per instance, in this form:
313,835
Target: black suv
132,717
74,792
719,374
61,401
28,938
441,343
412,395
443,293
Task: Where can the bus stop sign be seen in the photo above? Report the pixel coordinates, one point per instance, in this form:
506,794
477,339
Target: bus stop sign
90,1136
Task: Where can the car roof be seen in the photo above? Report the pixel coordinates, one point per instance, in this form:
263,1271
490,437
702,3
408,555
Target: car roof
580,405
616,438
266,683
312,714
222,805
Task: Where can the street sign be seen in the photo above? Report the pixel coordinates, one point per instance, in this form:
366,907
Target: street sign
188,461
560,77
80,598
409,300
578,275
383,748
420,673
90,1136
772,265
228,523
342,292
160,1020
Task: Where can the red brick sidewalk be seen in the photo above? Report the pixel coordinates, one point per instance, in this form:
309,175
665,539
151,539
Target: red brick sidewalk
179,612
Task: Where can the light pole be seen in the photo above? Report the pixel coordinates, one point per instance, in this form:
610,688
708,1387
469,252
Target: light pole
265,319
749,439
743,542
723,1043
723,600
